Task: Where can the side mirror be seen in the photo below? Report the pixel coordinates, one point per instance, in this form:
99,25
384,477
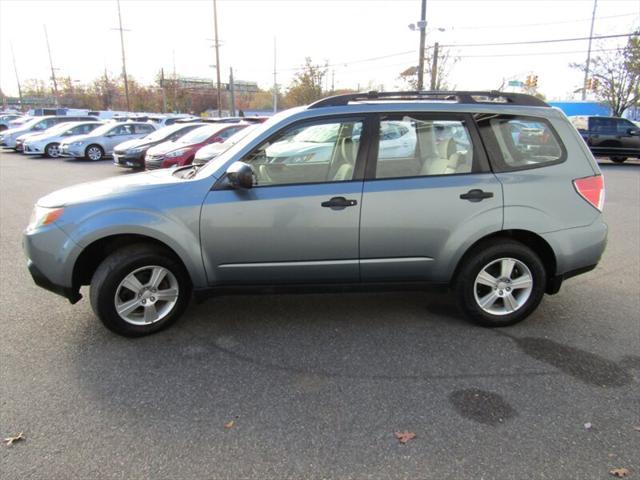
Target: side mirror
240,175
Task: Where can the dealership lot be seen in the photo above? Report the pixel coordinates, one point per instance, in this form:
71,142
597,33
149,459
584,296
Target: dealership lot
316,385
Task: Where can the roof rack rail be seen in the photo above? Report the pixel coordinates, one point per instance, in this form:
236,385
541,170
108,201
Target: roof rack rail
492,96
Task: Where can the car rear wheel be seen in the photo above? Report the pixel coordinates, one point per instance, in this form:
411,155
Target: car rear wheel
139,290
618,159
94,153
52,150
500,283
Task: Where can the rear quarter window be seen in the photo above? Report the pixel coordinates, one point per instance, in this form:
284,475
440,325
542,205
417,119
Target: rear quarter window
519,143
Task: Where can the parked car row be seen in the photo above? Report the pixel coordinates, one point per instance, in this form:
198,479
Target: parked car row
131,144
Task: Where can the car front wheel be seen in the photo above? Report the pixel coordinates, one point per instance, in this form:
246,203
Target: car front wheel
52,150
501,283
94,153
618,159
139,290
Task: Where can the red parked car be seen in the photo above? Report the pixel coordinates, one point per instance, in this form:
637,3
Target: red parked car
181,151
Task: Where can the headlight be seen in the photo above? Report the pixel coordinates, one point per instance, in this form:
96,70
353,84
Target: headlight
43,216
177,153
77,144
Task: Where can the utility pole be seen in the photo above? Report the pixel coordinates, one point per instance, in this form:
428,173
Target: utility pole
215,31
422,25
434,67
164,92
333,81
586,70
124,63
275,79
175,85
232,93
17,77
53,72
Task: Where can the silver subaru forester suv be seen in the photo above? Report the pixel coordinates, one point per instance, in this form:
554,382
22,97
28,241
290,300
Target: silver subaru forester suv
493,194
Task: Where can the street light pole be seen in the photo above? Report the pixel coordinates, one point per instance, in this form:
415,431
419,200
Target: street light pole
586,70
275,79
17,77
422,25
124,63
53,73
215,31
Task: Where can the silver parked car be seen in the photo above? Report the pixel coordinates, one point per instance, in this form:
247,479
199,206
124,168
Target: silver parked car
500,218
100,142
47,143
36,125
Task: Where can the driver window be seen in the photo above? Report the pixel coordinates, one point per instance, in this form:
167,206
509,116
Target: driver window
308,153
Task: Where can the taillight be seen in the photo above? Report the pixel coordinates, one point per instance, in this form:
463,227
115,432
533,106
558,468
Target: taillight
591,189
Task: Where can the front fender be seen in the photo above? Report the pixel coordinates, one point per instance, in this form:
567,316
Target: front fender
178,232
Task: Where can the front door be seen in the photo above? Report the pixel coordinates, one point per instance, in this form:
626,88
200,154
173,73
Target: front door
299,222
422,202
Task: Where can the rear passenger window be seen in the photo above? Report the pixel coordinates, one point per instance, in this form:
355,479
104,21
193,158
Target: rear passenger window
521,142
413,147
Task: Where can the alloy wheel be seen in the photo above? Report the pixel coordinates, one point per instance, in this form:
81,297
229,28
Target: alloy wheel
146,295
503,286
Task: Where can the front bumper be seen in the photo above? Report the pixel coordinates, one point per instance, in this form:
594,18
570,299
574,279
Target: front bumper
30,149
73,152
70,293
51,255
128,161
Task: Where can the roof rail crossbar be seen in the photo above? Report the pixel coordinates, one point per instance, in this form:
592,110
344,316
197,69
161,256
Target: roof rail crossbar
492,96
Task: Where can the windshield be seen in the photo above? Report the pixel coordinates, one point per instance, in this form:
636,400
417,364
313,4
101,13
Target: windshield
163,133
101,130
260,128
199,134
60,128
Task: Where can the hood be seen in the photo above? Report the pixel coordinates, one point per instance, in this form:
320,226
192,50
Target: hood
29,135
169,146
14,131
133,143
211,150
110,187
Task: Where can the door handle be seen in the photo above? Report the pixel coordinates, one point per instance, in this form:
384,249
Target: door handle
339,202
476,195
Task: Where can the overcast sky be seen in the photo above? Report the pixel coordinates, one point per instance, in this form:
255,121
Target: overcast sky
345,33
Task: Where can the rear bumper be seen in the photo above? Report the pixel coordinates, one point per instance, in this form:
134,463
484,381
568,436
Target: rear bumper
577,251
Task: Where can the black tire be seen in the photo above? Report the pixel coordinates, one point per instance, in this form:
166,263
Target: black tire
617,159
98,149
116,267
49,151
478,259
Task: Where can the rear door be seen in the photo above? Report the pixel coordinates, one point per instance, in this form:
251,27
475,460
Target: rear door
603,136
426,193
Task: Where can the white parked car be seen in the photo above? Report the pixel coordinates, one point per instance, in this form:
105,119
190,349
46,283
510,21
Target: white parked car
209,152
48,142
36,125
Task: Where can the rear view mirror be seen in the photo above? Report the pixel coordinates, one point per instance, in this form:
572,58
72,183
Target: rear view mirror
240,175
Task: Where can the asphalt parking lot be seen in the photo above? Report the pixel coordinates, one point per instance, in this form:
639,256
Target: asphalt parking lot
316,385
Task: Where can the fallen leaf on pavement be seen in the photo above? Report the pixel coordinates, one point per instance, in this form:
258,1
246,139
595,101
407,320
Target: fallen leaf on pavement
620,472
16,438
404,437
229,424
588,425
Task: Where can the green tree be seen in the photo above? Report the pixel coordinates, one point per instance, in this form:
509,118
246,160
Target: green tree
616,76
307,84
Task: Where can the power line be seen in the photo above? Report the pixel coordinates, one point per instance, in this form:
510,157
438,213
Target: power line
531,42
563,22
